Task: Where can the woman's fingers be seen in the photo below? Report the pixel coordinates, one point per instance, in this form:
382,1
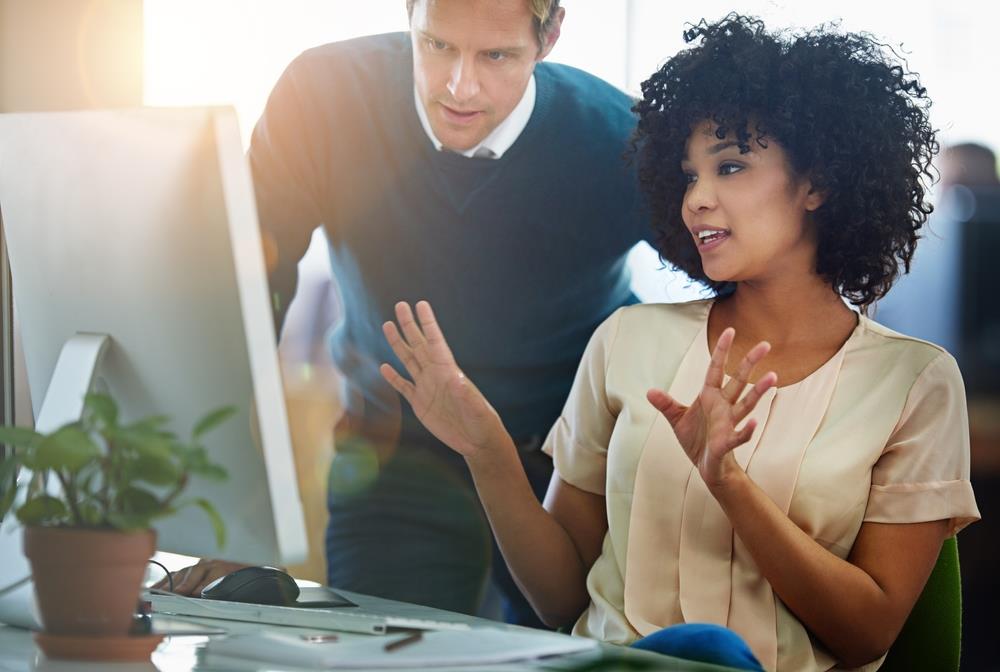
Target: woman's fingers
402,349
414,336
432,332
743,435
749,401
738,383
717,367
667,405
400,384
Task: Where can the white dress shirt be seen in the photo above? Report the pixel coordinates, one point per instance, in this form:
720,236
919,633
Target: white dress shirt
500,138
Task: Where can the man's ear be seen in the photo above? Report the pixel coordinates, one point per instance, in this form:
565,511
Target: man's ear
552,36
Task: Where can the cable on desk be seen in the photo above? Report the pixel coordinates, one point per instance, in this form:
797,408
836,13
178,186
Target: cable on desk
170,577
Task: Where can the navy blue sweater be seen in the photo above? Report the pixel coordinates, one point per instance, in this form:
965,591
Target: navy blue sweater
521,257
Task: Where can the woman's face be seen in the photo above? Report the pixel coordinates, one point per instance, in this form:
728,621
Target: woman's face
747,213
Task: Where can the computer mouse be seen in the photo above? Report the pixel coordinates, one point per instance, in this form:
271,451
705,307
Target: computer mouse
254,585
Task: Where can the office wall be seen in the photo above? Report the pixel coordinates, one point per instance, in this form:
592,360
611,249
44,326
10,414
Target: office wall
62,55
70,54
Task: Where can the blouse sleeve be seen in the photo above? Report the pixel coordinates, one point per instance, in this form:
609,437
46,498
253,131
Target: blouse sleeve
578,442
923,472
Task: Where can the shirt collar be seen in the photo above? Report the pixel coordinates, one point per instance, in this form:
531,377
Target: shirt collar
500,138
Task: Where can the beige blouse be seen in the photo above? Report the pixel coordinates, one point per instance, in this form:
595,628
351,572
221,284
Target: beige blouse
878,433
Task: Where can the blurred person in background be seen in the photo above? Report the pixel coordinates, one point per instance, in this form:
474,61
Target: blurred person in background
949,298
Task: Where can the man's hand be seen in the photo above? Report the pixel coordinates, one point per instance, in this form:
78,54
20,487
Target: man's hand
191,580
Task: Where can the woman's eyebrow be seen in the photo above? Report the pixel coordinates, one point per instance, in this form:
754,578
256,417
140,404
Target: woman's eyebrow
725,144
714,149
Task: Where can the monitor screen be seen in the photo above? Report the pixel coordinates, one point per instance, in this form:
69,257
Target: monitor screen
141,225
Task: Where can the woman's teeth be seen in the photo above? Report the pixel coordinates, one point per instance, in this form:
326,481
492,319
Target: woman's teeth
705,237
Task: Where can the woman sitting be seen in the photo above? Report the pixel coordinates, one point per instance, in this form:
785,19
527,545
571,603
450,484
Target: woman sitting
768,460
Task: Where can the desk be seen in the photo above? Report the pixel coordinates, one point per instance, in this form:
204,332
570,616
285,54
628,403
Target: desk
187,653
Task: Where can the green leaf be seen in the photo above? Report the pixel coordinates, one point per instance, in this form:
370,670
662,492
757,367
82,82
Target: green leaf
103,407
211,472
218,525
90,513
6,501
212,419
127,522
141,437
8,483
41,509
8,469
138,502
153,446
183,452
69,448
153,469
19,436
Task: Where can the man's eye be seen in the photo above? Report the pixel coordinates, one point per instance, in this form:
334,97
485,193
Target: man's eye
495,55
729,168
436,45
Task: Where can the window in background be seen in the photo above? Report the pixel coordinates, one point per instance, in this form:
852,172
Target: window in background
950,44
232,51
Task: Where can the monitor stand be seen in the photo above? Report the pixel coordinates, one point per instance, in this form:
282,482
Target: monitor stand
71,381
63,404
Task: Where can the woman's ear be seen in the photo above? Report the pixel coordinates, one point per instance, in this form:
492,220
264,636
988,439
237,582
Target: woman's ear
815,197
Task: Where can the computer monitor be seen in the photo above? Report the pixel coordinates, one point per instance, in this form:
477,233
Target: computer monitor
141,225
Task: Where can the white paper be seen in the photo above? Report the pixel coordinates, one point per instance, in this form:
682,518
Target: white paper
480,646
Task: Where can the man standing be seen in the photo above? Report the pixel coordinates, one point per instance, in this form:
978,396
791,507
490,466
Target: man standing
449,164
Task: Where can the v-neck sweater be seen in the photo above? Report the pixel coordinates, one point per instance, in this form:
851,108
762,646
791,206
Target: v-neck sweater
522,256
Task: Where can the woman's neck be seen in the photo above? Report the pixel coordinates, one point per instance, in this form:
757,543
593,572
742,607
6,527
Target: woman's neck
786,313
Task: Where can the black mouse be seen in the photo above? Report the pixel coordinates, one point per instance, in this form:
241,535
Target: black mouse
254,585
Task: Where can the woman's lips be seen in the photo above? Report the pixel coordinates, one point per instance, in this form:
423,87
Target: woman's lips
712,242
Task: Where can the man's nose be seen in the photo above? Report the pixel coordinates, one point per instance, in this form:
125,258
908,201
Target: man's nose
463,85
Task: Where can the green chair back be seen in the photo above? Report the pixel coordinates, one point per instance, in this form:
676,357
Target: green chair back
931,639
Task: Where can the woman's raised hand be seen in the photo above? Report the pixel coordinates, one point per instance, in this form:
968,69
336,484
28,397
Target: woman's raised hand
443,399
707,429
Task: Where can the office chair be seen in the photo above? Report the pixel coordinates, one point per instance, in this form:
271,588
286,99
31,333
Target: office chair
931,638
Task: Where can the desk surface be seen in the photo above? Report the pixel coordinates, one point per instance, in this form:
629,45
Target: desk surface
184,653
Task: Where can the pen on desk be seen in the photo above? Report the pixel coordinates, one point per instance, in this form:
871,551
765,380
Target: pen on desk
320,639
412,638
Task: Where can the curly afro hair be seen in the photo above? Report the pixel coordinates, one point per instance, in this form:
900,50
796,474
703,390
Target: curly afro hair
848,116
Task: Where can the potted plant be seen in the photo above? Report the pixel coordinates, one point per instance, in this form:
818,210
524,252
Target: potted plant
89,540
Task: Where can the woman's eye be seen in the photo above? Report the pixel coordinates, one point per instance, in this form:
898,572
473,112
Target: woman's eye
729,168
436,45
690,178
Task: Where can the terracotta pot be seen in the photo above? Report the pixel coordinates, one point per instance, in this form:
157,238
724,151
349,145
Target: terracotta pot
87,581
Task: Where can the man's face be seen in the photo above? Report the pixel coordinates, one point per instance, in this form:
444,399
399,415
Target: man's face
471,62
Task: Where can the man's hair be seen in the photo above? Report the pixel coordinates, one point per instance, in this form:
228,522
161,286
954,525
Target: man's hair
544,12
